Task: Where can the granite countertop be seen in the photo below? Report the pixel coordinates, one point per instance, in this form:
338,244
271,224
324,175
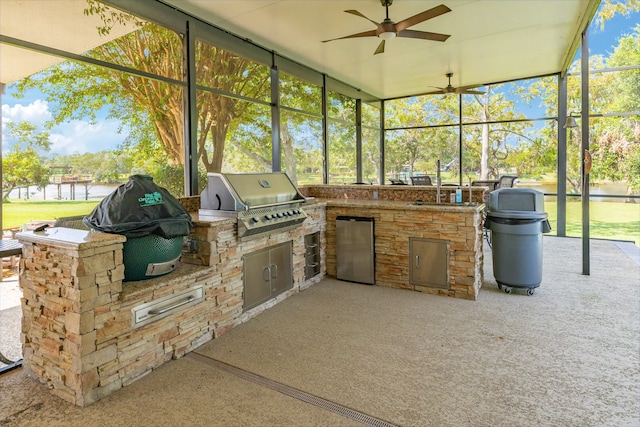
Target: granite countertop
213,220
70,237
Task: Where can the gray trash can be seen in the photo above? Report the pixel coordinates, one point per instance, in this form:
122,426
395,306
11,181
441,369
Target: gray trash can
517,222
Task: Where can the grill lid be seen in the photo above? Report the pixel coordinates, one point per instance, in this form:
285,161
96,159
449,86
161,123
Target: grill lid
244,191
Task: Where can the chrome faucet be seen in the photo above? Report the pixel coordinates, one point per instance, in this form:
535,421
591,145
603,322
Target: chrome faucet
438,182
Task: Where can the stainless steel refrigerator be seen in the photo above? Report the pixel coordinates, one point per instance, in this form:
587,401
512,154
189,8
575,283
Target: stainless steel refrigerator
355,255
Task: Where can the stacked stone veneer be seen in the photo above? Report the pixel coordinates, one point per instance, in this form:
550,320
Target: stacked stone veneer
395,222
77,329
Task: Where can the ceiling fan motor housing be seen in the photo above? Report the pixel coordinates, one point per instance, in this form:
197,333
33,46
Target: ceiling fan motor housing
386,3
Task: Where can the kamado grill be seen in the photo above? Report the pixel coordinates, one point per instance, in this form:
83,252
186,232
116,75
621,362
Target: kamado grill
153,221
261,202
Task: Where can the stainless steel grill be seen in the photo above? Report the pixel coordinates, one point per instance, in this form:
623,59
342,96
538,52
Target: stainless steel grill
261,202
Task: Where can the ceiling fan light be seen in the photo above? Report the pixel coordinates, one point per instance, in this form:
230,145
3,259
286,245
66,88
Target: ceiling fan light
387,35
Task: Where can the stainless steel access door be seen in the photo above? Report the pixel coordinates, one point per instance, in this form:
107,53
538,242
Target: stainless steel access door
355,254
267,273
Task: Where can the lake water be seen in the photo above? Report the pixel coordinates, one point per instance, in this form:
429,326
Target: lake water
90,192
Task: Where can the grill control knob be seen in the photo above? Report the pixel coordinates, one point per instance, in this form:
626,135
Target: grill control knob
255,220
267,217
279,215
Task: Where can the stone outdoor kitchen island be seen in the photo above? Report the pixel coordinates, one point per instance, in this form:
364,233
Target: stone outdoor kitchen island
79,333
400,222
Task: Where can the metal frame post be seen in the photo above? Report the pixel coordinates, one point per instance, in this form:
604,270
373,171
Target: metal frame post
584,149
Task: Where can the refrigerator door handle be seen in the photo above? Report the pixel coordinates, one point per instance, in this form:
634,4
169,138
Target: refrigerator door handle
417,261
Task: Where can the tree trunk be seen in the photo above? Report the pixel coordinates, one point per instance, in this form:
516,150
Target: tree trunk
484,154
286,142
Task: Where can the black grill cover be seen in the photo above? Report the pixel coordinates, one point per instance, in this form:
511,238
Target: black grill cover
140,208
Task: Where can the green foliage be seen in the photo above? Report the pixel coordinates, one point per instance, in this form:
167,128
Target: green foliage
616,140
23,165
610,8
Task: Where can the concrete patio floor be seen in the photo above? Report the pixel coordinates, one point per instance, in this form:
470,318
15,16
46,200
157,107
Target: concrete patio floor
344,354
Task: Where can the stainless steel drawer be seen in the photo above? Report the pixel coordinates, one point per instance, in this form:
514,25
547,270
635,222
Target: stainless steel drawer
162,307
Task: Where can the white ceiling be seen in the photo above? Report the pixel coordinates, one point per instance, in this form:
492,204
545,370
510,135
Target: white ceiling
60,24
491,40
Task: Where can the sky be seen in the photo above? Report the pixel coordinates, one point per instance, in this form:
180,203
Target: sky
80,136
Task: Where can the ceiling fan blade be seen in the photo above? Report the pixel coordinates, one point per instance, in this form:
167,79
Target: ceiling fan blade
380,48
470,87
424,35
435,92
355,12
371,33
421,17
470,92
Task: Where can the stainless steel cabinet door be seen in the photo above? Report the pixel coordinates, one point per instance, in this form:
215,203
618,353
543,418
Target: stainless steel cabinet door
257,278
280,268
429,262
355,250
267,273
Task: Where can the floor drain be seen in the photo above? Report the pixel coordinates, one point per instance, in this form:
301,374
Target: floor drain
293,392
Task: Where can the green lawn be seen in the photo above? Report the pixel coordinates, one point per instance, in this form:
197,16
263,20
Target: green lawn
18,212
608,220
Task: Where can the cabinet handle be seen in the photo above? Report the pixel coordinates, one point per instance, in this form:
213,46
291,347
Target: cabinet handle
274,272
315,245
157,311
268,271
417,261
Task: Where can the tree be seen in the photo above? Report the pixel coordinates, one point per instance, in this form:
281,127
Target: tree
23,165
153,109
616,147
414,147
610,8
497,142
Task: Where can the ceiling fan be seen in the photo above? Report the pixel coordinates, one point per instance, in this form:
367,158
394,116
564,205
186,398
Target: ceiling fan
388,29
465,90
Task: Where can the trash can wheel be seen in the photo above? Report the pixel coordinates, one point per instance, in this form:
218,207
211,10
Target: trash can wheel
504,287
507,289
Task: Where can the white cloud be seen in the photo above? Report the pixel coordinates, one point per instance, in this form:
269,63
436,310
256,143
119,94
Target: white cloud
36,113
77,136
62,144
81,137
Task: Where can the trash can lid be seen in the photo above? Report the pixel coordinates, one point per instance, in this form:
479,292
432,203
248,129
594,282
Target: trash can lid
517,215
